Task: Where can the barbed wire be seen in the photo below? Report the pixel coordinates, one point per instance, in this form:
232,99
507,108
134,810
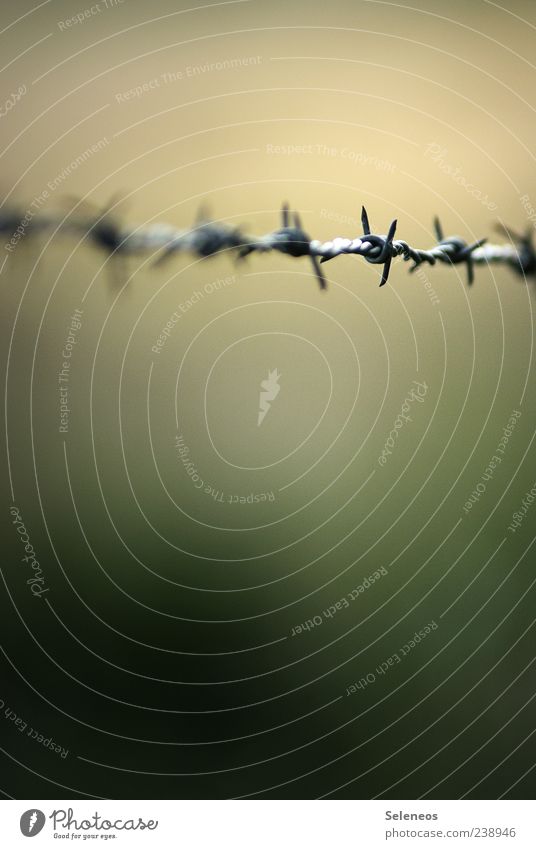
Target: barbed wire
208,238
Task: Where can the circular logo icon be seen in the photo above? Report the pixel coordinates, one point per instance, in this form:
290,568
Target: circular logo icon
31,822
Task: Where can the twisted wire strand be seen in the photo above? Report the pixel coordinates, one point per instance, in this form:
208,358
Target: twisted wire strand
208,238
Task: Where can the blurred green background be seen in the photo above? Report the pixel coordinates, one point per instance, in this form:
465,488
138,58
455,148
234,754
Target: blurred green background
162,654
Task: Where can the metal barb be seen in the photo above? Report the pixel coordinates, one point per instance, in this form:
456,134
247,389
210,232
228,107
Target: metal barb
208,237
381,251
365,221
524,262
438,229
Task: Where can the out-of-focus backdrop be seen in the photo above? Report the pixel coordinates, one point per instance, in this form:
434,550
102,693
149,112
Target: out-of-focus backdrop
336,601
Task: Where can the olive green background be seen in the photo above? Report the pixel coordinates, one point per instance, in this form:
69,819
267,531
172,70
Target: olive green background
161,657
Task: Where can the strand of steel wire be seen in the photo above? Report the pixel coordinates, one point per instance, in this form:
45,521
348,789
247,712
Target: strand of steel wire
208,238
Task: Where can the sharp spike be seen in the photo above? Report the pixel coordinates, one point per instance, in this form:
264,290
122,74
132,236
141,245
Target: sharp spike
506,231
392,230
470,271
116,198
438,229
284,215
365,221
385,272
477,244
